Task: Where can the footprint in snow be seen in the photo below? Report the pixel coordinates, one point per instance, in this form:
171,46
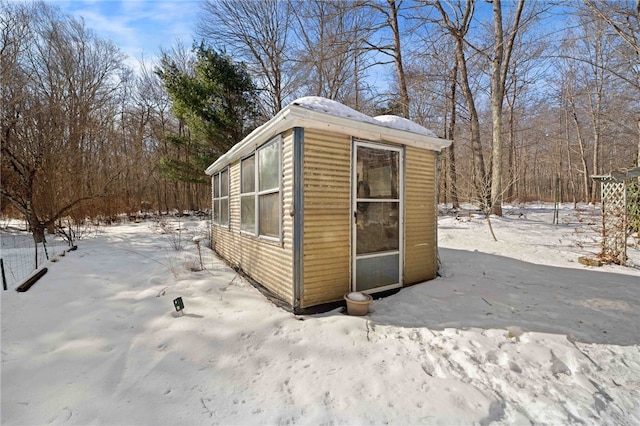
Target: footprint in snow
558,367
63,417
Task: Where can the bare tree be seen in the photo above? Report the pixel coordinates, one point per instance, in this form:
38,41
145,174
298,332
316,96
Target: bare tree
624,18
456,22
152,97
392,19
330,49
57,101
257,32
595,42
569,98
431,78
522,99
387,17
450,134
503,48
590,58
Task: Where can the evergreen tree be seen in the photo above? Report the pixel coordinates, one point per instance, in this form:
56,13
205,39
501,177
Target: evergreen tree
215,99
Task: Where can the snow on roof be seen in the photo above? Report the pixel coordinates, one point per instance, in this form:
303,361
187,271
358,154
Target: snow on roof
401,123
315,112
328,106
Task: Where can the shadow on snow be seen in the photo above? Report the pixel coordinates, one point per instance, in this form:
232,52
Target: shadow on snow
488,291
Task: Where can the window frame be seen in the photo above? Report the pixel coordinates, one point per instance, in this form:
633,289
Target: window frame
274,190
217,200
253,194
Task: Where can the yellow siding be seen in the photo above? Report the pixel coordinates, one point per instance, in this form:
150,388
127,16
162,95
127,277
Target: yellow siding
327,217
327,222
420,222
268,263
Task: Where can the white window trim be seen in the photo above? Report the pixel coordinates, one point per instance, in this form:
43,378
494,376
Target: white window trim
253,194
277,140
219,198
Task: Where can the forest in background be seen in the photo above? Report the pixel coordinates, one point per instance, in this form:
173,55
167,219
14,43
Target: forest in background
531,93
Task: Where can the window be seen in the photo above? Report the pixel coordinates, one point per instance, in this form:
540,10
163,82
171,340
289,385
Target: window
221,198
269,189
260,202
248,195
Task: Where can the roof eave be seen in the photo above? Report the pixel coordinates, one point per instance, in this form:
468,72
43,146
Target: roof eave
297,116
370,131
258,136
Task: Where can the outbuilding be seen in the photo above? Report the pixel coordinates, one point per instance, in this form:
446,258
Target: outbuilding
322,200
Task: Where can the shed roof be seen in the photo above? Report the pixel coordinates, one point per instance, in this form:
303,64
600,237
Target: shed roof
314,112
619,175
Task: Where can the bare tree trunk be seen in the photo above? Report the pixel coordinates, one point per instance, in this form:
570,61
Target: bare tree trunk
453,180
596,155
356,83
37,228
583,158
397,58
595,97
458,29
497,97
569,163
499,68
479,171
512,152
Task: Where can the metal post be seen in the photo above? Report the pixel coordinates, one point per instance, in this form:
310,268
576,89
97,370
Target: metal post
556,201
4,278
44,245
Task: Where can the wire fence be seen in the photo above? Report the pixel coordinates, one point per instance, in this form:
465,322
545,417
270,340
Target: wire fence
20,255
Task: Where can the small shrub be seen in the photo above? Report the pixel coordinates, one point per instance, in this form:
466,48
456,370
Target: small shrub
173,233
72,230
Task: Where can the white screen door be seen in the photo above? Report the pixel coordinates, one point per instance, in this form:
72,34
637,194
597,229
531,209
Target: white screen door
377,217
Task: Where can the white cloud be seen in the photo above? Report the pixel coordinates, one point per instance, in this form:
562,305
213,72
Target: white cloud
139,27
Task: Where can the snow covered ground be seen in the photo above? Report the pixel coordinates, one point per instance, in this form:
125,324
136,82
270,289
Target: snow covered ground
515,332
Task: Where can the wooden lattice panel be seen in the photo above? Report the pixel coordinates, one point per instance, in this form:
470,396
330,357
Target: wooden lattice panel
614,228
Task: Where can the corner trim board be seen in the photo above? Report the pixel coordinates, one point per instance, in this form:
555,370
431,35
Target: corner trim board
298,217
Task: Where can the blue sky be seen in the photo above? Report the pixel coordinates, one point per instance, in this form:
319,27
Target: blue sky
138,27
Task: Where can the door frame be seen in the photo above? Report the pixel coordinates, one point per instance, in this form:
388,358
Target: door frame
355,143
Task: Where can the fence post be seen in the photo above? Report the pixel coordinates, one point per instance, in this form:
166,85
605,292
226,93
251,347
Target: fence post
4,278
44,245
556,201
